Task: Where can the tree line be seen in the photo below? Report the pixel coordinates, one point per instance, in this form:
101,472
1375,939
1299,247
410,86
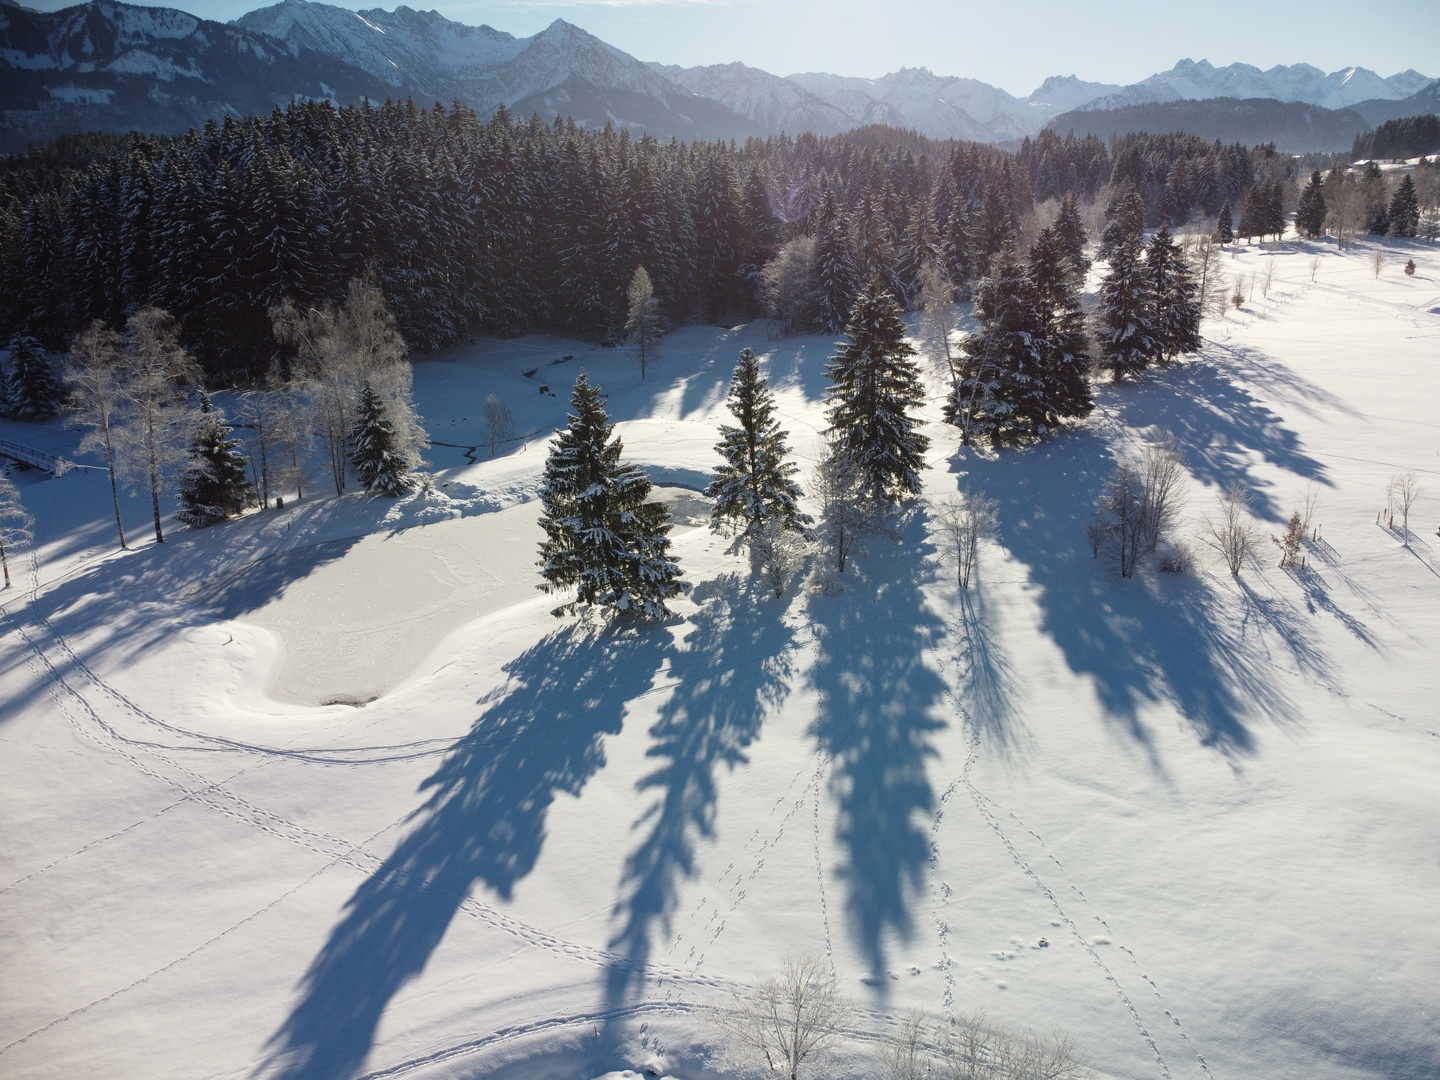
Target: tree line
501,226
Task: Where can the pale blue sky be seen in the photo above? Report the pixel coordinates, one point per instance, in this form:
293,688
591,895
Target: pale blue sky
1013,44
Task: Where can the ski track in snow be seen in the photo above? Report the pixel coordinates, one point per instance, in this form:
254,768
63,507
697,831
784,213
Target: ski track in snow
983,804
91,726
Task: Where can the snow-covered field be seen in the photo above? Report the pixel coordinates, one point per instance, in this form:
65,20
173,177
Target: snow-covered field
547,844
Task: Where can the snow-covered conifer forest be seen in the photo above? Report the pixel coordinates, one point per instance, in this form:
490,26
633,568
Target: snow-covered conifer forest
953,613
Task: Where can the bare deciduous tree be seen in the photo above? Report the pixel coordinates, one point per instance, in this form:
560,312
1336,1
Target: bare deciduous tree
1162,483
971,1048
499,423
963,523
791,1019
777,553
17,527
159,406
1234,535
337,351
788,286
846,516
1121,519
1267,278
96,402
1403,491
643,326
1377,261
1314,268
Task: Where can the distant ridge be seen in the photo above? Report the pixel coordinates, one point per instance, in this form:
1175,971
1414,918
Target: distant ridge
1294,127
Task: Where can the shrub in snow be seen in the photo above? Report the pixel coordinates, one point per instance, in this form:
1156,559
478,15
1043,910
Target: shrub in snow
972,1048
1177,559
787,1021
1233,535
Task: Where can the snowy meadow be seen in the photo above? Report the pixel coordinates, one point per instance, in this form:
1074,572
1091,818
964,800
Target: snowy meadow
327,791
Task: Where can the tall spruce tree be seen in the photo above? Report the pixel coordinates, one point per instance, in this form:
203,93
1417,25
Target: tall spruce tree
1126,333
214,482
1000,394
754,486
1071,232
602,537
1405,209
1056,285
1125,220
1225,225
836,262
1310,217
1175,301
374,449
31,390
874,385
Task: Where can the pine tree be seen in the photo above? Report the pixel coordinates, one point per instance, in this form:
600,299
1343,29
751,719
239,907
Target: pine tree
601,535
874,384
1377,208
1127,318
214,484
1404,209
374,450
754,486
1001,394
1225,226
1071,232
1310,217
1174,297
835,264
1125,221
31,389
1065,370
1253,213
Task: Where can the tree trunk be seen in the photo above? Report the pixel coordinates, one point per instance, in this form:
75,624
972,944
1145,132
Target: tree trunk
114,491
4,563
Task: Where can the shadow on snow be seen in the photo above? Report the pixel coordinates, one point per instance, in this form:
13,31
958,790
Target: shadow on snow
482,822
876,723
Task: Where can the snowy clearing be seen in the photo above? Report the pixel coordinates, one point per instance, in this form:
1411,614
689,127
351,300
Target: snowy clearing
535,847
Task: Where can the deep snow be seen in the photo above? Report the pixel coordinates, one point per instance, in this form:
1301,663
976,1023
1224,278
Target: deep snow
550,843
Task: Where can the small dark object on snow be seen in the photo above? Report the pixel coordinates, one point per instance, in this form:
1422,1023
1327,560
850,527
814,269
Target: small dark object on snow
544,389
1044,944
1410,268
531,373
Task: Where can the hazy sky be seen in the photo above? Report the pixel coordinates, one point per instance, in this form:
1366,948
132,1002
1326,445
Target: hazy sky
1013,44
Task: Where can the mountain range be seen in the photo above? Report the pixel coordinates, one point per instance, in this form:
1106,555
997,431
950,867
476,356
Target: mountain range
108,65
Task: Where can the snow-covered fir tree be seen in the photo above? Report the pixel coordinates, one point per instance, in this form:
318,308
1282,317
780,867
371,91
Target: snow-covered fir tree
214,481
31,390
874,386
754,487
1070,231
1056,283
379,462
1174,297
1310,217
835,263
1126,331
1404,210
1225,224
1000,394
601,535
1124,220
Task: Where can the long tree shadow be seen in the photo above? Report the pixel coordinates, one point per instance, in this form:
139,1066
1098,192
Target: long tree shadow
735,669
1219,424
1136,644
482,822
876,723
986,678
